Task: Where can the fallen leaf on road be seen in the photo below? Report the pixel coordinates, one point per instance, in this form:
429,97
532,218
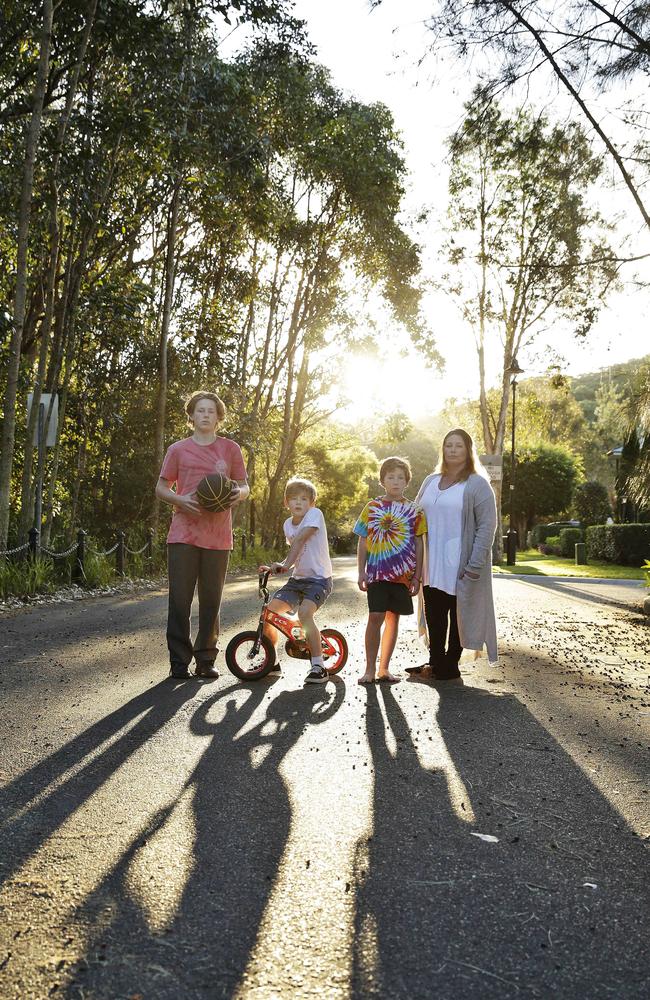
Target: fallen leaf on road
487,837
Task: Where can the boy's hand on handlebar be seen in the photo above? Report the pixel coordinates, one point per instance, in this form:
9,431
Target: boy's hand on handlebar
278,567
363,581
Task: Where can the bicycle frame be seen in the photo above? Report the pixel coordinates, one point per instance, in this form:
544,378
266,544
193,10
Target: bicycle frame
290,628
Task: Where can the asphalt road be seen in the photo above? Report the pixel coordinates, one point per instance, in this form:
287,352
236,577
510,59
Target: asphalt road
197,840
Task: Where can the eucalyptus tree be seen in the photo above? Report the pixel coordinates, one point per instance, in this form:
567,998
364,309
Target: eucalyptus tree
114,77
586,45
525,247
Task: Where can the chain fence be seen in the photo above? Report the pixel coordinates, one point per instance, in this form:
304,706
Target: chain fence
81,550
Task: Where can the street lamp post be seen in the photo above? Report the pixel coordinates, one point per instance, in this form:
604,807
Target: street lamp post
513,369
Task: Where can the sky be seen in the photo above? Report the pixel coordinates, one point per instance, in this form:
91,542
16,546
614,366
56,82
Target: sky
375,55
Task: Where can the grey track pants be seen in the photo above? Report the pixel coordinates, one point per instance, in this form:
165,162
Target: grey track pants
188,566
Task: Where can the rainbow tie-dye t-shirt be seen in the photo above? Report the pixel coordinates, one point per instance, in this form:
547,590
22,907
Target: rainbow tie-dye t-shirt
390,528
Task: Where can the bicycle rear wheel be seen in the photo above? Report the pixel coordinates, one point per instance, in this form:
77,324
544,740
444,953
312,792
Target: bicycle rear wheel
336,660
242,664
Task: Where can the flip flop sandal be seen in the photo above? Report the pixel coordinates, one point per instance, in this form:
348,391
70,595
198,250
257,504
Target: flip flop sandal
360,681
388,680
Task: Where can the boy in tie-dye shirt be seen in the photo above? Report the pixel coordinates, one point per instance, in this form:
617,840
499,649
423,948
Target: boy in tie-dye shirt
389,558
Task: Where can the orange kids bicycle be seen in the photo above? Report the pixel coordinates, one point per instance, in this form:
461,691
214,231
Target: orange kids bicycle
250,655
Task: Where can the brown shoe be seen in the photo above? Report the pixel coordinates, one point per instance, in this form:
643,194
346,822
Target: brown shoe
206,670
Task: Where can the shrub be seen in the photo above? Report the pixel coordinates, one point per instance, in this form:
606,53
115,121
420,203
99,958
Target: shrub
537,535
568,539
552,545
591,503
626,544
26,578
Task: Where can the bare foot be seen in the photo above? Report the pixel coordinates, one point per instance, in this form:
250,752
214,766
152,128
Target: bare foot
388,678
366,679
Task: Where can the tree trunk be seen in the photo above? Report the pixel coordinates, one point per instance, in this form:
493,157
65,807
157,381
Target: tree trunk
13,368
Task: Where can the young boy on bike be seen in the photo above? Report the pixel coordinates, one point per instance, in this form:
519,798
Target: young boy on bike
389,560
310,583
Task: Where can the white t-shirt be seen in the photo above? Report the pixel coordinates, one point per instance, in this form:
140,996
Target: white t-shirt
314,559
444,513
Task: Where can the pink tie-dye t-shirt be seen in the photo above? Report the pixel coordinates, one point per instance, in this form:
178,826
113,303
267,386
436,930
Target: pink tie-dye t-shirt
186,463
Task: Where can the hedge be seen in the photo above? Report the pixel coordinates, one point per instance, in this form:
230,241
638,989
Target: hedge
537,535
625,544
568,539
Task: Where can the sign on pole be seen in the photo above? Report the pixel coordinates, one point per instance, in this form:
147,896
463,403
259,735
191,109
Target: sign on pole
50,441
493,465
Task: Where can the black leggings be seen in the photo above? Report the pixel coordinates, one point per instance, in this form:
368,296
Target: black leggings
440,613
188,566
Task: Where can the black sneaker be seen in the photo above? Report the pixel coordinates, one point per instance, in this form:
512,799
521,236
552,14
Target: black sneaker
206,669
317,675
179,672
275,669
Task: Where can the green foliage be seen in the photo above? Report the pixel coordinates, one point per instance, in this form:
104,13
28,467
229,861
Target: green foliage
394,430
646,572
255,555
551,546
341,469
521,229
591,503
26,578
544,483
626,544
288,194
637,472
537,535
99,571
568,539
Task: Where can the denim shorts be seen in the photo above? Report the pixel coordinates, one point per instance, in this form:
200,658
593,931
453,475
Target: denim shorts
309,588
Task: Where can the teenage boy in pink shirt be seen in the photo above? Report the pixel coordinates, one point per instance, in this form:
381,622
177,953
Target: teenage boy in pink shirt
199,541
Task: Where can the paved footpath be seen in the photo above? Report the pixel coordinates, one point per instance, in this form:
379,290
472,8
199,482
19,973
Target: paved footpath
194,840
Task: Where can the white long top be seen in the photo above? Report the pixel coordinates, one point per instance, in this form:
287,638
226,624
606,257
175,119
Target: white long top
444,514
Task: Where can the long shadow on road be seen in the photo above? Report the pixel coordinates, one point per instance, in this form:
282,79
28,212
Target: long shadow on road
37,803
241,814
551,909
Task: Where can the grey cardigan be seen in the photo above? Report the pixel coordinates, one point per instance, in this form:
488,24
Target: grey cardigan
474,601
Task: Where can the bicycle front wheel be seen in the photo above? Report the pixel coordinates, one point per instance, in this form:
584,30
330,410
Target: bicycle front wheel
243,663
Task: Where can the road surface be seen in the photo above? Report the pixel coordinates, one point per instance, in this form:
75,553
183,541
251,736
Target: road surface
165,840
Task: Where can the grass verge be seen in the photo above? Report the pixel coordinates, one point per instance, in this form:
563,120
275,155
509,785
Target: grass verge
532,563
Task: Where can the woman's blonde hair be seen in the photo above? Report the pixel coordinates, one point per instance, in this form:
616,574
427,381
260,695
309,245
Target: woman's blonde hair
472,457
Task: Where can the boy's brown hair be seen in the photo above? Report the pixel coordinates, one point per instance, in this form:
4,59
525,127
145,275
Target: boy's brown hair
395,462
196,397
297,485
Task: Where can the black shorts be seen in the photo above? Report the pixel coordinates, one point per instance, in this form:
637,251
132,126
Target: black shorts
385,596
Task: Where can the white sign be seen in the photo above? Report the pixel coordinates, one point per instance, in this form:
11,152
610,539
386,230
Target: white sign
50,440
493,465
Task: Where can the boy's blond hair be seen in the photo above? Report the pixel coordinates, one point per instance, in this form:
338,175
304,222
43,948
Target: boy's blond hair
395,462
297,485
196,397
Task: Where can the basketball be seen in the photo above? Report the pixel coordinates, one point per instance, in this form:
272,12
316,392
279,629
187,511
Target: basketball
213,492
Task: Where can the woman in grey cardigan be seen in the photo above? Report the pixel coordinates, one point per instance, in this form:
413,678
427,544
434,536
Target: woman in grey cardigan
456,596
